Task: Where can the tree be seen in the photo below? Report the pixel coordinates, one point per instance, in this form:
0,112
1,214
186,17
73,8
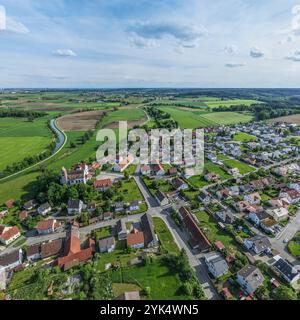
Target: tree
284,293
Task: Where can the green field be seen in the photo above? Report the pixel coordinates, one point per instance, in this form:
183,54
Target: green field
243,168
244,137
197,119
20,138
133,114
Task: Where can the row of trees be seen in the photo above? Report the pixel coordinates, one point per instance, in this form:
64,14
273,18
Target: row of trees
16,113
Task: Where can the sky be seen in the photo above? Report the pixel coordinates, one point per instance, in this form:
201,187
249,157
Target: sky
143,43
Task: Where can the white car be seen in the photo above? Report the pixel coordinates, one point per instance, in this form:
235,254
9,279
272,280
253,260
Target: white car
286,240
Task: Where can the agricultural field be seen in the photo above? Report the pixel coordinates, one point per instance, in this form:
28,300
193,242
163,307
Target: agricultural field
200,119
133,115
295,118
20,138
243,168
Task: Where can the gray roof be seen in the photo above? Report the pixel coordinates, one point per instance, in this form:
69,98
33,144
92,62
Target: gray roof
107,242
9,258
121,226
159,195
148,229
262,215
44,206
252,275
261,242
219,263
74,204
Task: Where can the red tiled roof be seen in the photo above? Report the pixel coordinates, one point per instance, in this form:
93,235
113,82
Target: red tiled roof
102,183
71,259
197,236
51,248
135,238
23,215
10,233
219,245
10,203
72,246
45,224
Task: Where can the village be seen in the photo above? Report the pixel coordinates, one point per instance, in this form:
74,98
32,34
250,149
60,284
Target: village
237,224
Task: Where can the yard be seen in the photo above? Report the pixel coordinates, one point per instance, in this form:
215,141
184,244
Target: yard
243,168
294,245
165,236
244,137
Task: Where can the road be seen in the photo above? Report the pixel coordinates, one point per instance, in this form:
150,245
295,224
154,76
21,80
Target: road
62,140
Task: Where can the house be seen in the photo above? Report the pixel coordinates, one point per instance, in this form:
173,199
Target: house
107,244
123,164
135,240
129,295
119,206
250,279
226,294
172,171
204,198
80,174
44,209
29,205
91,207
3,213
216,264
289,273
223,194
235,172
134,206
10,203
52,248
157,169
198,239
258,244
179,184
278,213
268,225
161,198
257,217
253,198
46,226
219,245
225,216
102,185
150,237
75,206
278,203
34,252
145,170
23,215
261,183
121,229
9,234
291,195
211,177
107,216
11,260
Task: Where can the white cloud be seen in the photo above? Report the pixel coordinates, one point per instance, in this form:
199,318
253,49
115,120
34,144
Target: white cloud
230,49
65,53
235,65
140,42
294,57
255,52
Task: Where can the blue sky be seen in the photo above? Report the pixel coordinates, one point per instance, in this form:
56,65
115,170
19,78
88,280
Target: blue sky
143,43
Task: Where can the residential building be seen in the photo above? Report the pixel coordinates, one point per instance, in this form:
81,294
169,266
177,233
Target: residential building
179,184
9,234
123,164
148,230
278,213
134,206
107,216
11,260
46,226
23,215
289,273
145,170
44,209
135,240
75,206
119,207
250,279
161,198
216,264
258,244
225,216
253,198
121,229
80,174
30,205
51,248
34,252
107,244
102,185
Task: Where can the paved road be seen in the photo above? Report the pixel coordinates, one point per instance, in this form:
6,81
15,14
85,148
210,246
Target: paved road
181,240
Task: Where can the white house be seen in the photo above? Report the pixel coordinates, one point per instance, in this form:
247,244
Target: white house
278,213
216,264
75,206
11,260
44,209
253,198
250,278
9,234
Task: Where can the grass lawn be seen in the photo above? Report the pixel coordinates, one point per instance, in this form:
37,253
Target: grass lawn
132,114
130,191
213,231
294,245
243,168
165,236
102,233
244,137
120,288
161,184
164,285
